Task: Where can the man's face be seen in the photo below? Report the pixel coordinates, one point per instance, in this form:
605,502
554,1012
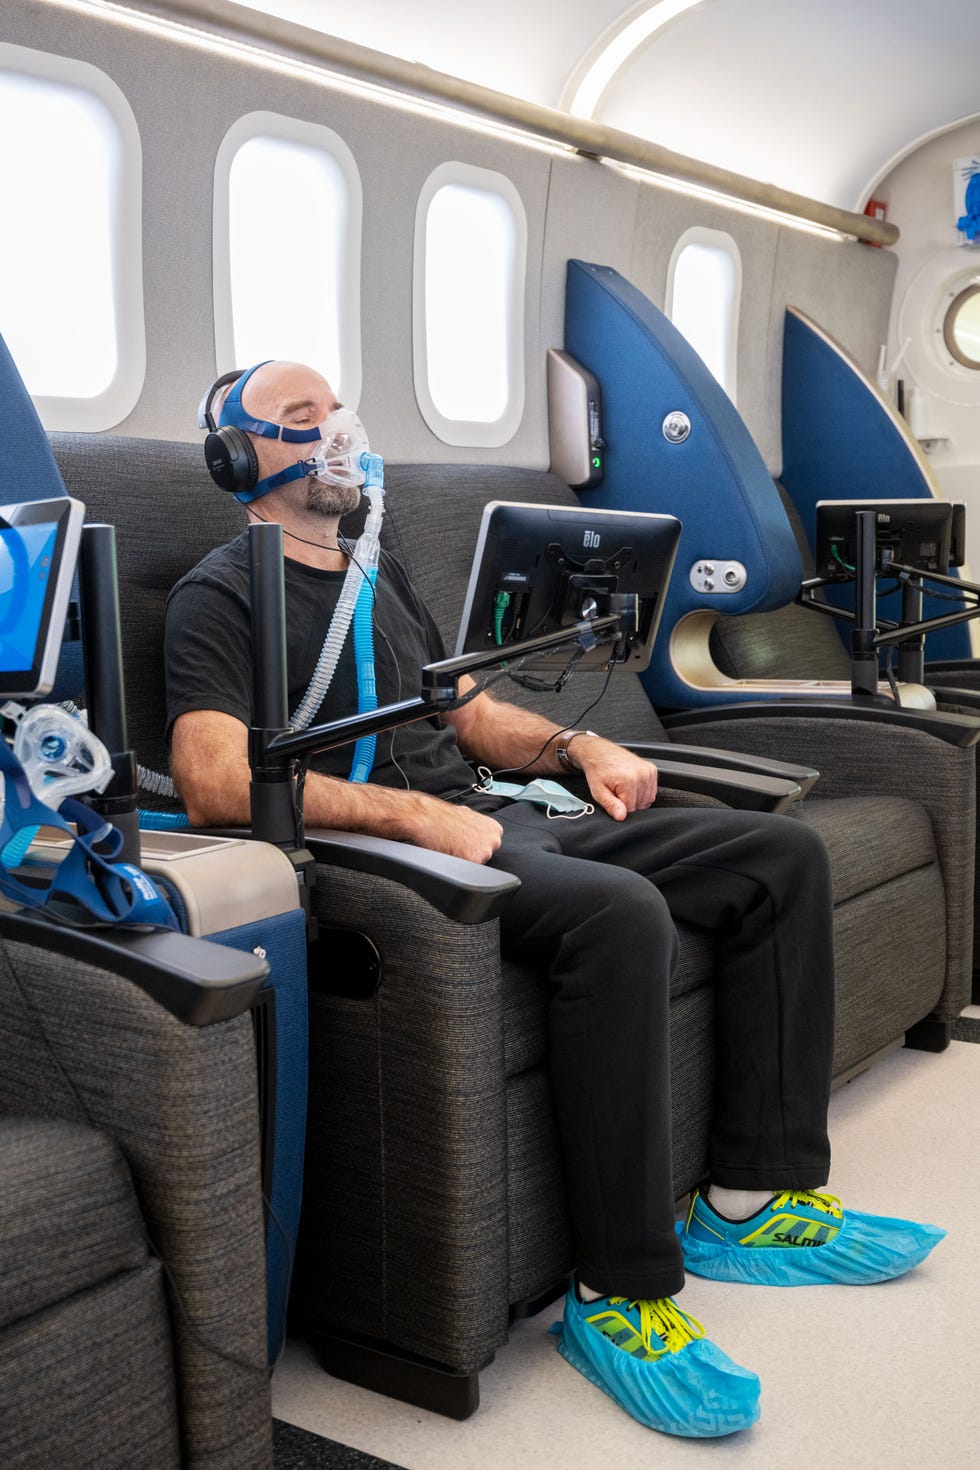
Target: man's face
296,397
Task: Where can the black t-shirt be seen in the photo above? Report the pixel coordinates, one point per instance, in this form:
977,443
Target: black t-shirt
208,662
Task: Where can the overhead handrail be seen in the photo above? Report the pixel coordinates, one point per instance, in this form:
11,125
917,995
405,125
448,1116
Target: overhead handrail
285,39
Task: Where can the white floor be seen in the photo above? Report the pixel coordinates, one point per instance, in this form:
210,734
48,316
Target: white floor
853,1378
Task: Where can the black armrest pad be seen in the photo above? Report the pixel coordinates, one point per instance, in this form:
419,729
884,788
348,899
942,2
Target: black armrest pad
952,666
196,981
467,892
739,789
961,730
966,698
729,760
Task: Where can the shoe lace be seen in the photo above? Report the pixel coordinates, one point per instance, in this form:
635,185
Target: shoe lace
829,1203
664,1318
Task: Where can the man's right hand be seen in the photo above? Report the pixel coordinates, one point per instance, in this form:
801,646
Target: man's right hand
455,830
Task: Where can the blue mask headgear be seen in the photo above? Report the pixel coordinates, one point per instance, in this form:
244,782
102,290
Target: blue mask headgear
231,457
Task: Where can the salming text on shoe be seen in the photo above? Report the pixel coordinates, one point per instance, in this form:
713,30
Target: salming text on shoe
802,1239
656,1362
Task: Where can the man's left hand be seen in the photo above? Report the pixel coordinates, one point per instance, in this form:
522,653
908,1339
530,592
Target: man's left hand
619,781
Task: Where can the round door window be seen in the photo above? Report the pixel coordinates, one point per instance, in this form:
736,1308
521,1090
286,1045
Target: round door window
961,327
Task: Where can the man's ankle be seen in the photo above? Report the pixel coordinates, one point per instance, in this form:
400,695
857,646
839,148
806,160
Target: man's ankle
737,1204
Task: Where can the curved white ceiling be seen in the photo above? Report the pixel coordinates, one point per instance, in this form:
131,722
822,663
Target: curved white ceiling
818,97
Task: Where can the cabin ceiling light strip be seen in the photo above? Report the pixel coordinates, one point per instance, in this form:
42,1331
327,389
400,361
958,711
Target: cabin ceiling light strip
612,54
265,39
713,196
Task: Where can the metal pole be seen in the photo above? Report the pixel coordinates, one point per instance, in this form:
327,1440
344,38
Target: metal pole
275,814
98,589
864,654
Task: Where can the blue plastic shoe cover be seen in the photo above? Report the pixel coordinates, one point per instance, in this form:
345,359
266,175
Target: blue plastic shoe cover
861,1248
695,1391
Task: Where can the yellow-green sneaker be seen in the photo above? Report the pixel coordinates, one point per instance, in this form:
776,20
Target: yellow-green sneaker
656,1362
802,1238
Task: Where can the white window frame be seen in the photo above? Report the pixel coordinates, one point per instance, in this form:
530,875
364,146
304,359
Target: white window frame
324,139
106,409
722,242
465,433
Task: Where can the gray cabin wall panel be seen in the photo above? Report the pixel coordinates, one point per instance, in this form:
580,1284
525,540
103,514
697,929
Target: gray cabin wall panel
591,216
663,215
847,288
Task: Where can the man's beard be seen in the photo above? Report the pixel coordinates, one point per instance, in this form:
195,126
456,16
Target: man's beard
331,500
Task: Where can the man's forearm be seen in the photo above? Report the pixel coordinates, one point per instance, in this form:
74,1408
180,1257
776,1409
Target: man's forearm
377,811
505,736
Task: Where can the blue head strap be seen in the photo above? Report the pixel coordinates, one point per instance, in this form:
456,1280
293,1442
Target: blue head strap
233,415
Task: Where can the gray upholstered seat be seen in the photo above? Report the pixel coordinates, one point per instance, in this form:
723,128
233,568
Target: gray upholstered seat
84,1327
132,1256
433,1173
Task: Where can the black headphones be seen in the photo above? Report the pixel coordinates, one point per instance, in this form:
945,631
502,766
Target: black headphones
229,453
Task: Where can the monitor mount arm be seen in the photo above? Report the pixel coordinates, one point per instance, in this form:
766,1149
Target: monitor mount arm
870,633
273,748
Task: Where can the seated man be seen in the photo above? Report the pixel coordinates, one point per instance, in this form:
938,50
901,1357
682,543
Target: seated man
596,909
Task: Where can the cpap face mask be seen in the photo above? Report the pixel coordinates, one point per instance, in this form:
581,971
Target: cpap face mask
336,460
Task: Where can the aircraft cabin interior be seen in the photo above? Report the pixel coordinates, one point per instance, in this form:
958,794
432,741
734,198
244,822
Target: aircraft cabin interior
393,400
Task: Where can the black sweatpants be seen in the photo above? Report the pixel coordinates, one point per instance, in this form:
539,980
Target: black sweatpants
596,911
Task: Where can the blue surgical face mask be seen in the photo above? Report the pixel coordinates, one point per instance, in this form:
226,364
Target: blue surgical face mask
541,792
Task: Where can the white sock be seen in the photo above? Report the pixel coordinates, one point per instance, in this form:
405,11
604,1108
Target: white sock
737,1204
586,1294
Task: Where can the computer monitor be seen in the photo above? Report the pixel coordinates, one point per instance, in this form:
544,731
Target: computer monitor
540,568
38,549
917,533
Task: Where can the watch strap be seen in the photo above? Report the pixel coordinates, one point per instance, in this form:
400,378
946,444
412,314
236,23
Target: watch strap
561,748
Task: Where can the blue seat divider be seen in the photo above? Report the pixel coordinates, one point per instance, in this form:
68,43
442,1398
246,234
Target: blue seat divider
28,472
281,1033
843,441
284,941
715,482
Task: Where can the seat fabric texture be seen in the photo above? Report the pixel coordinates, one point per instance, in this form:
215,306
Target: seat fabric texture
86,1046
86,1368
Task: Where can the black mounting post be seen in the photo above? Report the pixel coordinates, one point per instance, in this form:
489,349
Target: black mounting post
105,688
864,652
276,817
912,650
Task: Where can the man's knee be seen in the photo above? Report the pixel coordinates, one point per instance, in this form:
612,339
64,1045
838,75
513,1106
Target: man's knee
801,849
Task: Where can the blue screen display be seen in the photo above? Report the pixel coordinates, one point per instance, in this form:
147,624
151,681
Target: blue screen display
25,569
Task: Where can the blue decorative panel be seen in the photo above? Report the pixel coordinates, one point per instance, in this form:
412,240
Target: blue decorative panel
28,472
715,481
842,441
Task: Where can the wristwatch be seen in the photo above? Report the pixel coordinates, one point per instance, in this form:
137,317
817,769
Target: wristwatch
561,748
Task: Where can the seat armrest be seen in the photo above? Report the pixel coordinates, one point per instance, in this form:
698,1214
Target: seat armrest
729,760
959,730
946,668
964,697
197,982
741,789
468,892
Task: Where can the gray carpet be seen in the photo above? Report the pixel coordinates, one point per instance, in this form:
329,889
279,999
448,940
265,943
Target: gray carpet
966,1028
298,1449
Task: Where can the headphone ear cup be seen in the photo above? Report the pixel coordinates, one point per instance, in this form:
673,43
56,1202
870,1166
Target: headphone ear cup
231,459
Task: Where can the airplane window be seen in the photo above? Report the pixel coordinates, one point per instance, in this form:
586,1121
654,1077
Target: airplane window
71,280
961,327
281,290
470,249
704,282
